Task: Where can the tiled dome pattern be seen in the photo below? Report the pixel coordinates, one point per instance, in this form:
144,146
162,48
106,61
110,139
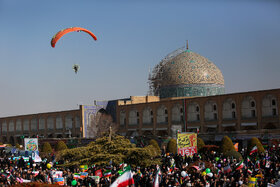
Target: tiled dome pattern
190,68
190,74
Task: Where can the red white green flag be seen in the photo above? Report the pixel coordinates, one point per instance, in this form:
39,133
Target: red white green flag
240,165
249,171
124,180
107,173
157,179
254,150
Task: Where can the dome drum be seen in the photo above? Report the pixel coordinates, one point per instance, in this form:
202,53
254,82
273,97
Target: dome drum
191,90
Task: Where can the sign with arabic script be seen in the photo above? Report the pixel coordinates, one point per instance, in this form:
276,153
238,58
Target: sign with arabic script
187,143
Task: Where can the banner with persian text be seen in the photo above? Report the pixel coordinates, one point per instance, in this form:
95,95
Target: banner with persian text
187,143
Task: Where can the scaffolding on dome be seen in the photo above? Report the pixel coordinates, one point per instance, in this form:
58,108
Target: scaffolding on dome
155,77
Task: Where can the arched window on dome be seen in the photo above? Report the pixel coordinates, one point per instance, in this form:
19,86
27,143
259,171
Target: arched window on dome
122,117
229,109
162,115
177,113
133,117
148,116
193,113
248,107
210,111
269,106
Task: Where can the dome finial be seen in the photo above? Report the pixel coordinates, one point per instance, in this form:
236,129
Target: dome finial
187,45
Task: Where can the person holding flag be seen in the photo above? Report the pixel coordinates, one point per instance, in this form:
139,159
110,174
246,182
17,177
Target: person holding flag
124,180
157,177
254,150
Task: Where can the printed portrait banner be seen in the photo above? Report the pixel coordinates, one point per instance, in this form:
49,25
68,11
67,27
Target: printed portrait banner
187,143
31,144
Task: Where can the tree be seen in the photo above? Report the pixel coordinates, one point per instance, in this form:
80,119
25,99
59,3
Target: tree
172,146
47,148
234,154
155,145
226,145
60,146
255,142
100,124
102,151
200,144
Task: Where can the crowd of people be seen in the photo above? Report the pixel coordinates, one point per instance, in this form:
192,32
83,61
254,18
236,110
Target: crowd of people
203,169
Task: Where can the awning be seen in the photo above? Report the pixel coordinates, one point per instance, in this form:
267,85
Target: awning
229,125
248,124
211,126
147,129
193,127
160,129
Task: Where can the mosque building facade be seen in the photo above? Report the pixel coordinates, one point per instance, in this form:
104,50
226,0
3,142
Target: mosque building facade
187,93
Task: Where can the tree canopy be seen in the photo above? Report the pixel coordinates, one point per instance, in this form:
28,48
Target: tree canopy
102,151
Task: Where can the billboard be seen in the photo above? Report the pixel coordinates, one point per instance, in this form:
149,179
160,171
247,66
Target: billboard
31,144
187,143
90,116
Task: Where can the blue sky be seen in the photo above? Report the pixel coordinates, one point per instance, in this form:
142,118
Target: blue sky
241,37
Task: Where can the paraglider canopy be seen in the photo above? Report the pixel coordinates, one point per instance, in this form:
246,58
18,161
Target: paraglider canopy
62,32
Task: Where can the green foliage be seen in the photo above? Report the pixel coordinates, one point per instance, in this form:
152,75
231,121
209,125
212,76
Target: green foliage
102,151
155,144
234,154
172,146
255,142
200,144
18,146
226,145
47,147
60,146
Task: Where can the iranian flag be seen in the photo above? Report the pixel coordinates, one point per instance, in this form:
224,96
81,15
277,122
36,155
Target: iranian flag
124,180
249,171
157,178
240,165
77,175
248,159
254,150
108,173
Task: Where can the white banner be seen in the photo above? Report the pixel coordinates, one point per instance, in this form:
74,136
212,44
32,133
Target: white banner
31,144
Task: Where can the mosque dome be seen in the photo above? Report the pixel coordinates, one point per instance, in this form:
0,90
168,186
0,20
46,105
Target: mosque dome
186,73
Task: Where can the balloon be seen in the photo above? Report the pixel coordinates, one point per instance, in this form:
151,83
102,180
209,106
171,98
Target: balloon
28,163
210,174
203,173
217,159
61,33
49,166
184,174
219,165
74,182
207,170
